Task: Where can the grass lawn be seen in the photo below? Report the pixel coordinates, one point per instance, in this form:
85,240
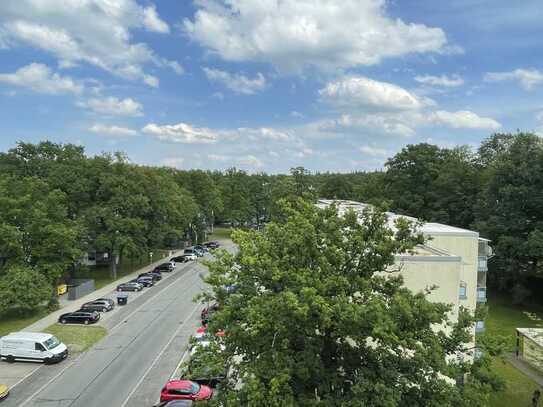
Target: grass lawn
502,319
77,338
13,321
101,276
220,233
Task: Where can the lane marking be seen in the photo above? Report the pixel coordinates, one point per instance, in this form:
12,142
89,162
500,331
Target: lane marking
160,355
51,380
26,376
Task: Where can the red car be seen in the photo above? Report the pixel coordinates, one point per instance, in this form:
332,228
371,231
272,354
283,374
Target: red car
185,390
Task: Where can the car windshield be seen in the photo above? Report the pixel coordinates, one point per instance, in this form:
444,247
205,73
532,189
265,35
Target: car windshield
195,388
51,343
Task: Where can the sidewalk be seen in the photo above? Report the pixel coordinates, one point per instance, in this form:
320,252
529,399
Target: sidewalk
71,306
526,369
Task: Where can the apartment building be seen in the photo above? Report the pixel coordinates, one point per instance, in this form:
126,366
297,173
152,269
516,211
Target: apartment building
454,260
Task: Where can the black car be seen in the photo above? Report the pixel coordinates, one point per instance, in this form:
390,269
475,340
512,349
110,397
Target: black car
79,317
179,259
108,300
164,267
146,281
98,305
130,286
155,275
212,245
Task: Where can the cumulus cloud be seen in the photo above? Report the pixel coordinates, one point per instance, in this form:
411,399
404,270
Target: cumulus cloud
251,161
113,106
40,78
181,133
387,124
443,80
237,82
361,92
113,131
373,151
96,32
528,78
463,119
294,34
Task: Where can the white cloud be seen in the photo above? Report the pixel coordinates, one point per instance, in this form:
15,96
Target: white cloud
217,157
294,34
443,80
218,96
175,162
113,106
463,120
237,82
373,151
528,78
40,78
296,114
360,92
251,161
152,21
96,32
181,133
257,134
387,124
114,131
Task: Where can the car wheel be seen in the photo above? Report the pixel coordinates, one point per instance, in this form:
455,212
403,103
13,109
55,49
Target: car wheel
86,322
48,361
63,321
10,359
104,309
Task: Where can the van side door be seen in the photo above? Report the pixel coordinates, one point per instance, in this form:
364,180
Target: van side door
39,351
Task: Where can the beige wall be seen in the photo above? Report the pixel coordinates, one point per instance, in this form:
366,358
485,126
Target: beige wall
532,353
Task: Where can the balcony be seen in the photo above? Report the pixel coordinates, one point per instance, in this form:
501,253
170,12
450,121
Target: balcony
481,294
479,326
482,265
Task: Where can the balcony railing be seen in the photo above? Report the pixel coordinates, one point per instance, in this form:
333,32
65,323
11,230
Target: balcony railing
481,294
482,265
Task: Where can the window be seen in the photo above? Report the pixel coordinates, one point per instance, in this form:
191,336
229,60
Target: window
463,294
52,343
39,347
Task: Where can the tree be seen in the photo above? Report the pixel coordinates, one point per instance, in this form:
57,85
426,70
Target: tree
336,186
510,208
23,288
320,317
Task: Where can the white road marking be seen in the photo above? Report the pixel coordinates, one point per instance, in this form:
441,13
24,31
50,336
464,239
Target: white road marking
159,355
29,374
51,380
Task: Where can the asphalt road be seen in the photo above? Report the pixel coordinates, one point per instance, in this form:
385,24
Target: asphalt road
131,364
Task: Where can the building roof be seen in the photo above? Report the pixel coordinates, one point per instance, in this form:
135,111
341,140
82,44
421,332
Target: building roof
535,334
430,228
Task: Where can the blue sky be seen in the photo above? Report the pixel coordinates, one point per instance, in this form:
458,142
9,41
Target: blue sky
332,85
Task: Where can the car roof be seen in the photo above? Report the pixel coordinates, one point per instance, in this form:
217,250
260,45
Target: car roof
34,336
179,384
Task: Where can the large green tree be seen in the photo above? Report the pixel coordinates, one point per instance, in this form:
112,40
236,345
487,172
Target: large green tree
320,317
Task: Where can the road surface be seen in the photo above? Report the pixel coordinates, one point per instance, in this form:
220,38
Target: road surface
131,364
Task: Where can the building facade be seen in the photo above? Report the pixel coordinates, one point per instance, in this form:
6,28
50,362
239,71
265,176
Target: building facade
453,260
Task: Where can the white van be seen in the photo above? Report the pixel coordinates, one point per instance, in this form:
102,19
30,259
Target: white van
32,346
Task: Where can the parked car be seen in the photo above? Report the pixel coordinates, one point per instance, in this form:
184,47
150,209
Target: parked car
164,267
189,250
179,259
130,286
31,346
212,245
190,256
201,248
146,281
98,305
108,300
155,275
199,251
80,317
176,403
185,390
4,391
207,313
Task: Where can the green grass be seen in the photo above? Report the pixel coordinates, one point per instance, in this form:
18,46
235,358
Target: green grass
14,321
220,233
101,275
502,319
77,338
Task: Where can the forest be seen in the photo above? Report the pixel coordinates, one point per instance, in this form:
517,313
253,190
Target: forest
57,203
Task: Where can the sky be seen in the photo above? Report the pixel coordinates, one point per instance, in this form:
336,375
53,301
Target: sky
267,85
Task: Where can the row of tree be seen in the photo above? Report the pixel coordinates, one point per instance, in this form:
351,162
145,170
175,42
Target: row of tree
56,203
